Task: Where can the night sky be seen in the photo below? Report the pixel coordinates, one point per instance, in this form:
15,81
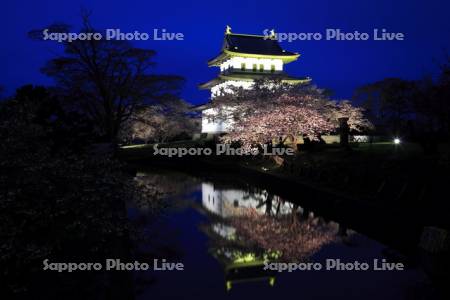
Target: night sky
339,65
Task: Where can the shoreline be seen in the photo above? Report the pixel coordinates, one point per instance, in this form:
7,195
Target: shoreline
372,219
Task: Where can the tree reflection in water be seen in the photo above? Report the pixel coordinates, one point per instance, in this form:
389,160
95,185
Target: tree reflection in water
156,189
153,235
254,225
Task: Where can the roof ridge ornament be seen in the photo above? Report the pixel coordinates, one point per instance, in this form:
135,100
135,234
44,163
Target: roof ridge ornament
272,34
228,30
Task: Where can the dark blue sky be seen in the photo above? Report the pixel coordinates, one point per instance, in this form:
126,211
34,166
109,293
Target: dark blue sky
339,65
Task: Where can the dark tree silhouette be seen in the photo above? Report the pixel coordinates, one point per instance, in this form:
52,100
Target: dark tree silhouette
418,109
107,79
388,101
62,202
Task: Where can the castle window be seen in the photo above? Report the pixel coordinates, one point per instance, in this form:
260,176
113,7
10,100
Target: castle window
243,66
272,68
261,68
255,67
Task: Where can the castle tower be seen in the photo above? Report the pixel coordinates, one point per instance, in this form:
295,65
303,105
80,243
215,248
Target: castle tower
243,59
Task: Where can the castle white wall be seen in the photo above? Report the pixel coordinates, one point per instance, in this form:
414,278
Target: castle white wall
229,202
219,125
225,87
250,63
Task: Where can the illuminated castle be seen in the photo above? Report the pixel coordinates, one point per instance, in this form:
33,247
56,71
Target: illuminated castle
243,59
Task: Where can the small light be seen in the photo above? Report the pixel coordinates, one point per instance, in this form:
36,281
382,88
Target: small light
397,141
272,281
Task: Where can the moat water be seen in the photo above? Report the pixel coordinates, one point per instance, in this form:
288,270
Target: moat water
237,241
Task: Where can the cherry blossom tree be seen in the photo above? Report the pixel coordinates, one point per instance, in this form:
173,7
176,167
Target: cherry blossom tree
273,109
356,119
159,123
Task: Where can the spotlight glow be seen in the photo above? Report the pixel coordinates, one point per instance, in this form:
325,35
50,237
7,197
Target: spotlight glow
397,141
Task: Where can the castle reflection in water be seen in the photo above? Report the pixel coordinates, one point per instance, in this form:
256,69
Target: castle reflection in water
227,202
243,257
